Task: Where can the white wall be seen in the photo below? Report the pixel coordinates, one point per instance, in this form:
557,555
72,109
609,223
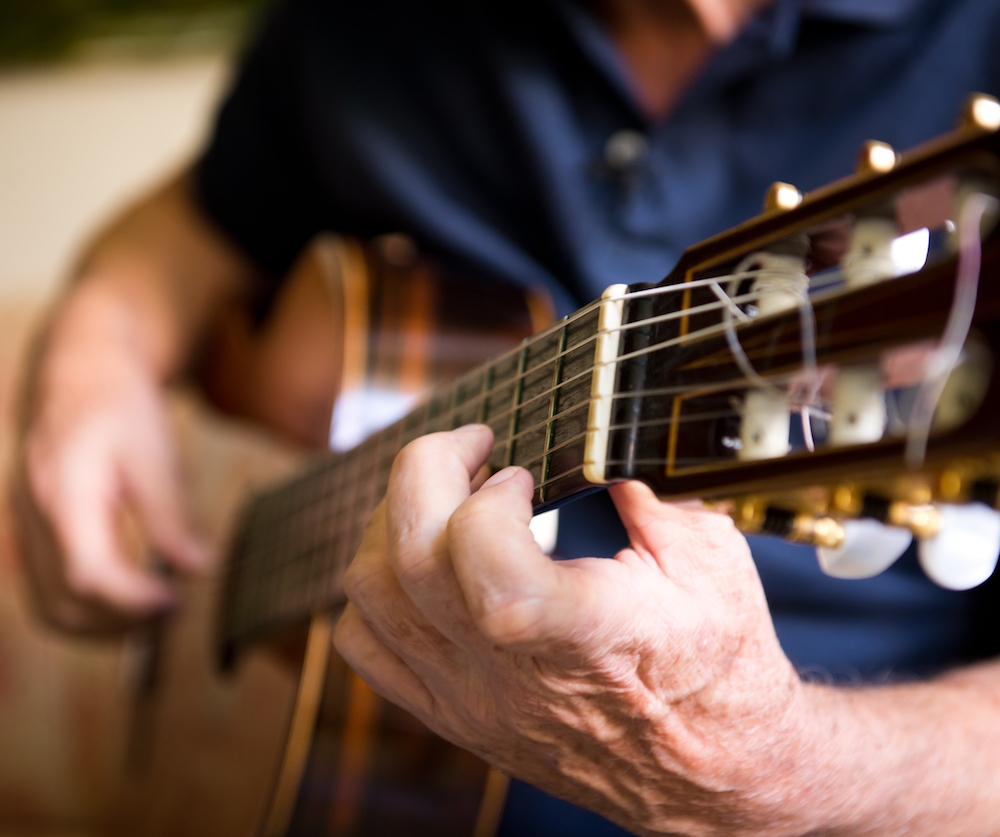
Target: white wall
76,141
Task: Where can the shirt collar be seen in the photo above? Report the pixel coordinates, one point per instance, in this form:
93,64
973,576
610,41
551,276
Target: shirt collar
771,35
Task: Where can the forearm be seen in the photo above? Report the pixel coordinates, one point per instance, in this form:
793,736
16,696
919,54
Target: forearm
914,759
152,280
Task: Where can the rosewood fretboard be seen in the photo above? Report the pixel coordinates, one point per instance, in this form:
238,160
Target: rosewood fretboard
297,540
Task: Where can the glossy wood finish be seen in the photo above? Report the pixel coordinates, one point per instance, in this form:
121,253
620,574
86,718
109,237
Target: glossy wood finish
205,747
398,324
372,768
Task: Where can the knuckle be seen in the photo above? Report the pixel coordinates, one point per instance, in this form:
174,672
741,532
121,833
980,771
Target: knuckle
718,530
361,582
471,519
507,620
413,563
416,452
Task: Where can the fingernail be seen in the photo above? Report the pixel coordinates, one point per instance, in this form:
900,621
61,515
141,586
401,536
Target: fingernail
470,428
501,476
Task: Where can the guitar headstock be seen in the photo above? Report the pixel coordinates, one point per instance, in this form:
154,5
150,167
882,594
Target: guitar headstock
832,360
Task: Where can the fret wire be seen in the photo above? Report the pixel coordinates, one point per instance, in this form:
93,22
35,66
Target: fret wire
673,315
484,395
704,332
550,428
347,498
516,396
563,475
550,392
666,422
359,521
269,584
344,547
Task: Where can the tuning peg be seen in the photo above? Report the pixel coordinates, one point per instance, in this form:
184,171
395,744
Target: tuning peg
868,549
963,554
859,411
980,113
781,197
764,426
876,158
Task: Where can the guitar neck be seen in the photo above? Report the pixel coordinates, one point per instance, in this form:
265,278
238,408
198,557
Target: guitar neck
682,385
296,541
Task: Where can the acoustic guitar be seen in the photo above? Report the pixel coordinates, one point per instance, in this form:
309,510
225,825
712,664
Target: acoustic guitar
820,371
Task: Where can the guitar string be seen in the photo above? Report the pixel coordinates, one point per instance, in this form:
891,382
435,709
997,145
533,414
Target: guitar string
441,418
367,506
543,366
474,402
449,414
525,463
349,536
710,282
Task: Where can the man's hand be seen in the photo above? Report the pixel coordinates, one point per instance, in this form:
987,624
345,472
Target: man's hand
95,446
650,688
95,443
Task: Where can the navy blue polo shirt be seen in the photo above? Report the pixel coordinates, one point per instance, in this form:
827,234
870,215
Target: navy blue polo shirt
483,129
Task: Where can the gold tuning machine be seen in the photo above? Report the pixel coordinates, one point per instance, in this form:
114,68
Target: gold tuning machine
781,197
961,485
846,501
817,531
980,114
914,513
754,515
923,521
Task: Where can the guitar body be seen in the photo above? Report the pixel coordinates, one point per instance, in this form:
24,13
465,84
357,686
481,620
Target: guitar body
288,740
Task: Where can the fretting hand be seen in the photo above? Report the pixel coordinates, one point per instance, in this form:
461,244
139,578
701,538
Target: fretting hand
650,687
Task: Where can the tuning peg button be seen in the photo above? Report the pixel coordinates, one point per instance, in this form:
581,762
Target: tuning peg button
868,549
964,552
877,158
781,197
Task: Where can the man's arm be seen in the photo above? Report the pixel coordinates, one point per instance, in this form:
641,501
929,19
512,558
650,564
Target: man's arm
94,433
650,688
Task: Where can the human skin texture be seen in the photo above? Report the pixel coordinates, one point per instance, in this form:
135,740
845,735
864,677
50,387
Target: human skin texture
95,444
650,687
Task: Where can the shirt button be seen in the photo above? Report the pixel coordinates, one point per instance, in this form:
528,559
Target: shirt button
626,151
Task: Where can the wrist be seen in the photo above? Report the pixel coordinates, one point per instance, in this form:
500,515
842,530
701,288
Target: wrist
843,758
113,312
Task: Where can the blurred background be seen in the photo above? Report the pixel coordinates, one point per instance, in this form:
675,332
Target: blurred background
98,100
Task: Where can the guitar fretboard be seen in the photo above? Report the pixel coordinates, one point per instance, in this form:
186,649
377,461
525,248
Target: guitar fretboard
297,540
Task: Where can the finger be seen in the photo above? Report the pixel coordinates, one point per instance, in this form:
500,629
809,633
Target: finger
430,479
375,592
84,519
153,484
44,563
378,666
517,596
